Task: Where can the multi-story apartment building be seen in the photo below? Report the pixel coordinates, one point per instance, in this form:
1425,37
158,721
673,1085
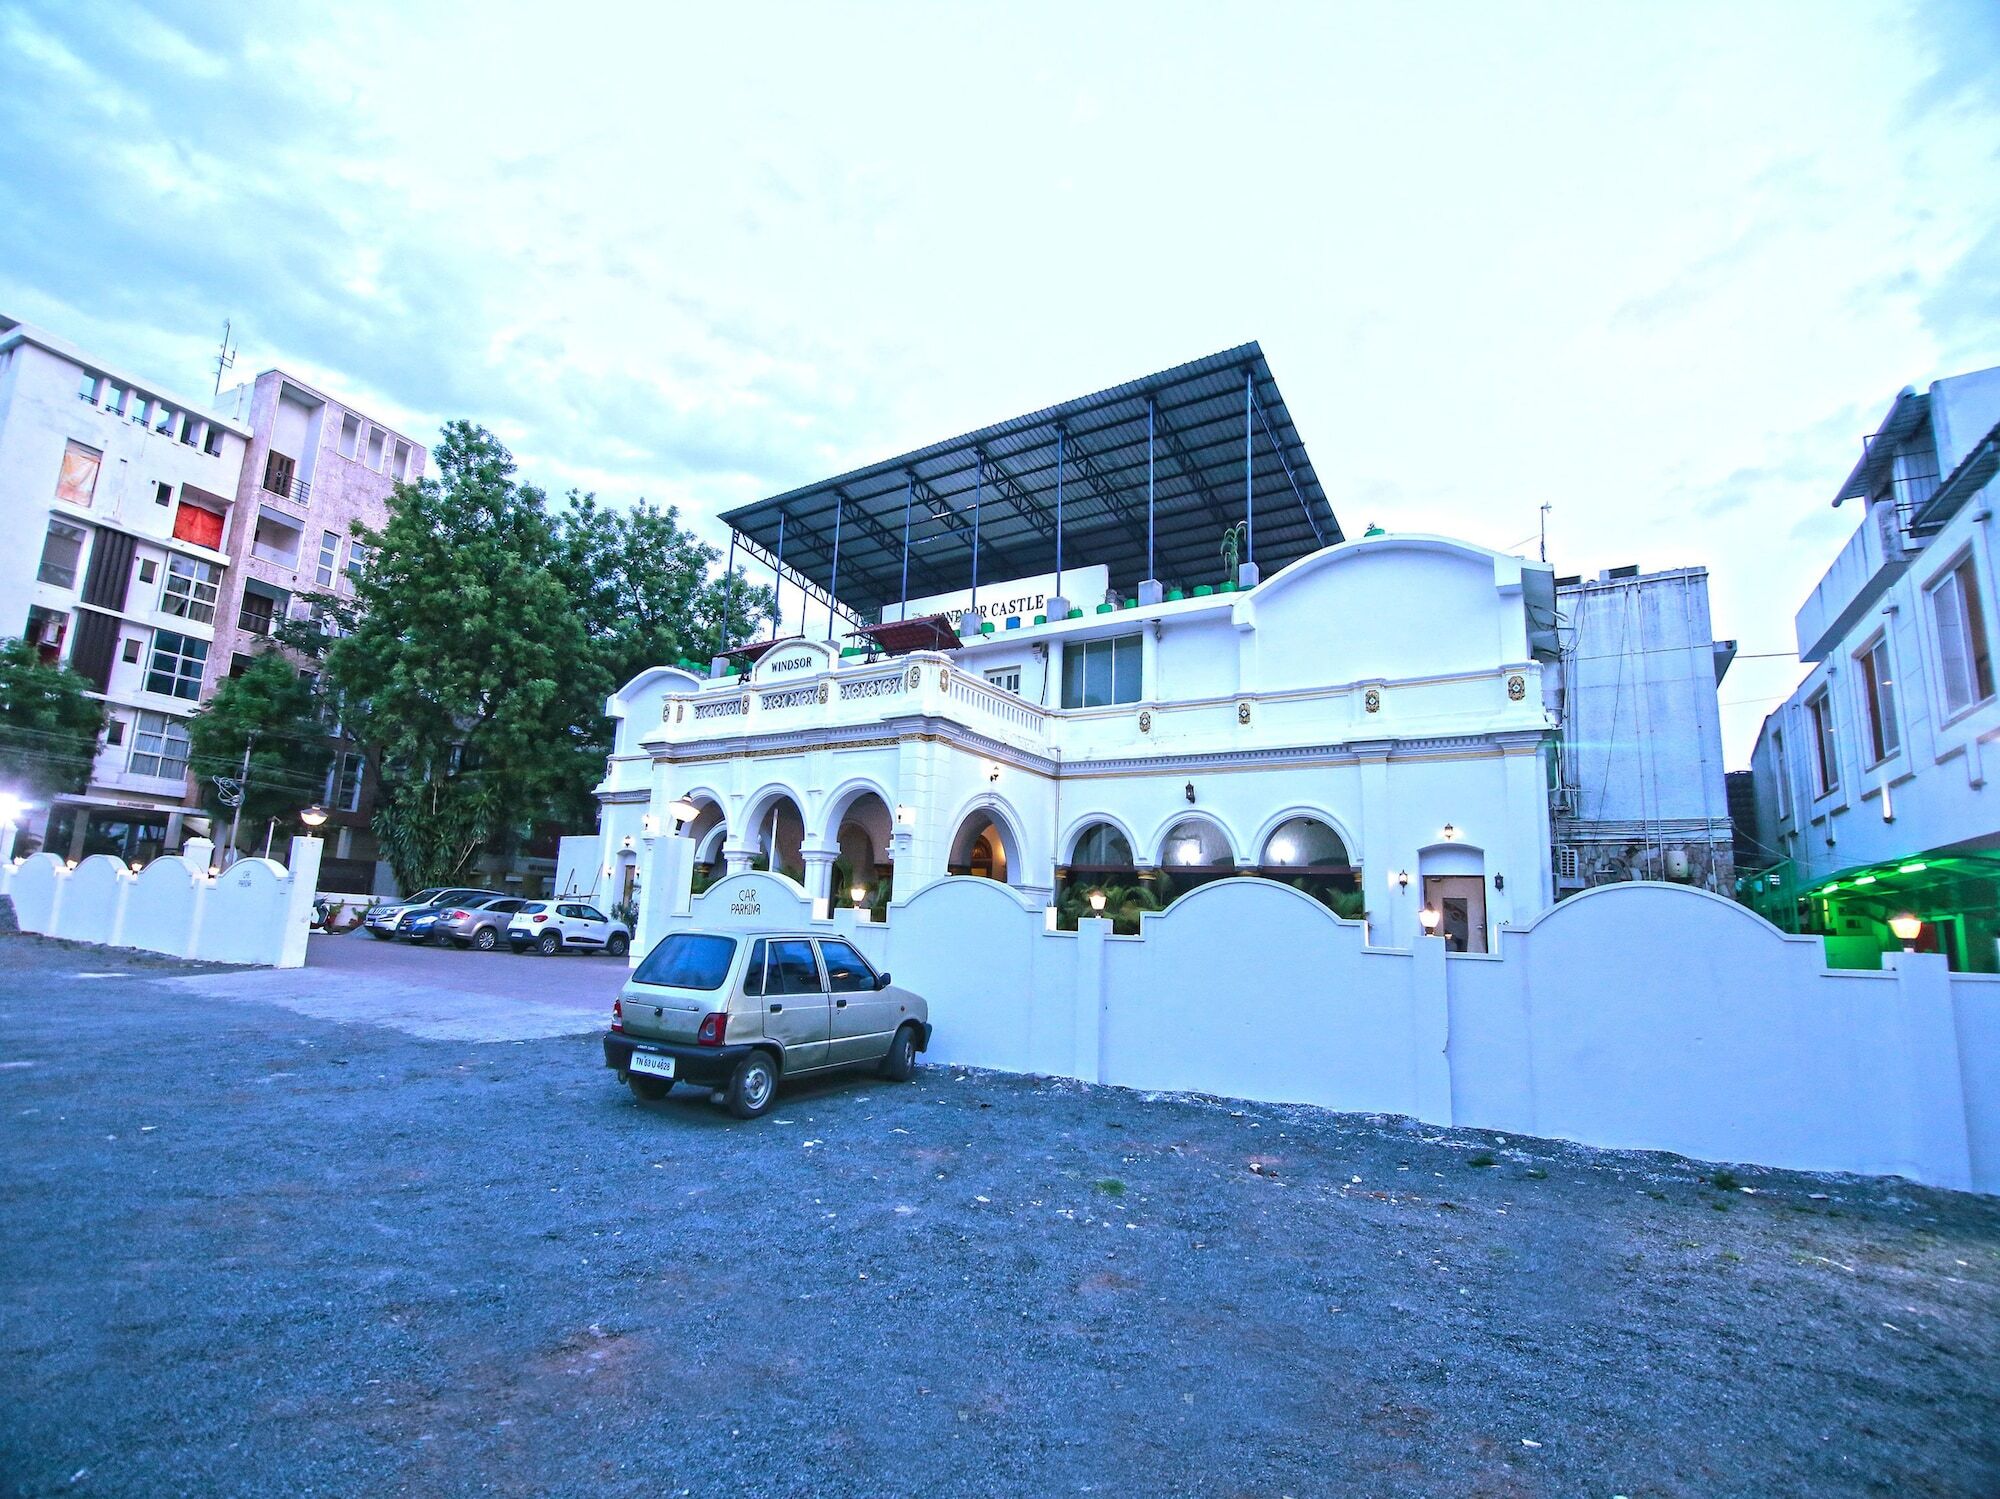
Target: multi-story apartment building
1872,785
1639,792
313,469
119,496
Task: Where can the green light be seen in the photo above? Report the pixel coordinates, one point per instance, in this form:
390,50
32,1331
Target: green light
1917,868
1865,879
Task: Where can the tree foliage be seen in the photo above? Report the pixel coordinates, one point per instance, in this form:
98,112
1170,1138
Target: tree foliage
48,725
273,712
482,638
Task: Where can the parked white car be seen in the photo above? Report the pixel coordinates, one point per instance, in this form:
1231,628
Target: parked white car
551,926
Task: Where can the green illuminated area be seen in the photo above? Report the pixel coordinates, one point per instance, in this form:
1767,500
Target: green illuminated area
1956,897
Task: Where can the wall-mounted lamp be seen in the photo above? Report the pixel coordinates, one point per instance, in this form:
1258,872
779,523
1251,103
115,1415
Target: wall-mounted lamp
69,863
682,811
137,866
649,825
1097,900
992,770
626,841
1189,789
1499,882
1402,878
1450,832
1906,927
906,815
1429,918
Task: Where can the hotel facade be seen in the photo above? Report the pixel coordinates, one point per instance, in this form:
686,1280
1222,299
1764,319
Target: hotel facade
1119,645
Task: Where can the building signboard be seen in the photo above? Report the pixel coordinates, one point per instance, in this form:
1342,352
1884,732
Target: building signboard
1084,587
793,659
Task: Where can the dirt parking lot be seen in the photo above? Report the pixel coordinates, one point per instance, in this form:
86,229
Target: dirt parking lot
248,1250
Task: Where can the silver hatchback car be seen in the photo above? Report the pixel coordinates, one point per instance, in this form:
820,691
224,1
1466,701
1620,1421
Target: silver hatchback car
737,1011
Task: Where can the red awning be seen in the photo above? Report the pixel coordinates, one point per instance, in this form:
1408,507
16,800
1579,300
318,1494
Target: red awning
747,656
931,632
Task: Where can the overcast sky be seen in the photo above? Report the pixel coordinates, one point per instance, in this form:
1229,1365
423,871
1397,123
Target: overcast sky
1659,266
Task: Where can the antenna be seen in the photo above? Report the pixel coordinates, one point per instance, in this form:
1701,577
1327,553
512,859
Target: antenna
225,359
1546,508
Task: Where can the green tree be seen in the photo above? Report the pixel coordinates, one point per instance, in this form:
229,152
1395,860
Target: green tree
48,725
274,712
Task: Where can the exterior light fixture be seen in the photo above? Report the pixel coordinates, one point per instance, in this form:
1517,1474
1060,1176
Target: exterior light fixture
313,816
1864,879
906,815
214,871
683,810
11,808
69,863
1429,917
1906,927
860,894
1917,866
1450,832
137,866
649,825
1282,850
1402,879
626,841
1189,790
992,770
1097,900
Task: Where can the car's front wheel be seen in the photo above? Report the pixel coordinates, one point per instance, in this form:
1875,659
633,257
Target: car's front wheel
648,1089
548,944
381,936
484,939
901,1060
619,945
753,1087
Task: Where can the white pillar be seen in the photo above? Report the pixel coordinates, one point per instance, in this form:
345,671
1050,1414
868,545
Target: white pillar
1090,1016
819,879
666,890
303,878
1935,1144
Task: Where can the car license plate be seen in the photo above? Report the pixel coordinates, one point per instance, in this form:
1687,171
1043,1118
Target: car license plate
646,1062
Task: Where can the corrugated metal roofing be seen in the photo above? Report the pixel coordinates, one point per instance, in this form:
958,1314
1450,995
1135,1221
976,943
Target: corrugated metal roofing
1010,470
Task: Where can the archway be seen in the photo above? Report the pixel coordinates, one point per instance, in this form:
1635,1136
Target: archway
1453,883
1306,853
775,828
1101,861
861,828
709,830
1193,852
986,847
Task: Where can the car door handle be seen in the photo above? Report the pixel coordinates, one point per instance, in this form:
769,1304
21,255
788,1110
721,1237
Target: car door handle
776,1008
840,1004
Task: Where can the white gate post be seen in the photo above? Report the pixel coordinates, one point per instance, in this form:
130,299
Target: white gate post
1934,1139
666,890
1090,1017
1430,1031
303,875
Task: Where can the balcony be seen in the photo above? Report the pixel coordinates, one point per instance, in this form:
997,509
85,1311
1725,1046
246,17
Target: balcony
1874,557
282,479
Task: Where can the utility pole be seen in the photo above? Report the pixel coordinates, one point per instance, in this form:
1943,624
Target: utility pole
225,359
242,793
1546,508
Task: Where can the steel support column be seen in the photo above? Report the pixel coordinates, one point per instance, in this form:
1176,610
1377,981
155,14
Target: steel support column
833,589
1150,571
778,579
1249,469
1060,434
909,493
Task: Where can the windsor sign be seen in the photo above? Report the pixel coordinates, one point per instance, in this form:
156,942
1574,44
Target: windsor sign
1026,597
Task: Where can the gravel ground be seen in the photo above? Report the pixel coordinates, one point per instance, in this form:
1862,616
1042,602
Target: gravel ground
244,1250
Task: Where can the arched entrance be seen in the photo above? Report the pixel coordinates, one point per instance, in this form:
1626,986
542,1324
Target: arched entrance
1308,854
709,830
986,847
862,830
1454,886
775,830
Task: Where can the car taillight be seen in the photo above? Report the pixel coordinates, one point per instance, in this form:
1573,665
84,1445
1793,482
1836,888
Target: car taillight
713,1028
454,916
541,916
618,1014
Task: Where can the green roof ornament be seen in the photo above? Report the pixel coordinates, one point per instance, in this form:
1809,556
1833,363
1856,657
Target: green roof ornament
1373,530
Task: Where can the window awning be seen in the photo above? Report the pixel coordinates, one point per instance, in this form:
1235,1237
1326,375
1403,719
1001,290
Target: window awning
1218,426
929,632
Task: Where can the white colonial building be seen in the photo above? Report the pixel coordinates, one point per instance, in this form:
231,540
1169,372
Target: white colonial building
1364,719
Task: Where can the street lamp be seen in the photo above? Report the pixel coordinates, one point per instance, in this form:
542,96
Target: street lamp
1097,901
683,810
1906,927
1430,916
313,816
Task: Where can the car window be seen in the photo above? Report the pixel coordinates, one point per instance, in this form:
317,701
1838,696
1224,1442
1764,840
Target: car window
753,971
509,903
569,910
425,896
530,907
591,913
793,969
688,960
847,972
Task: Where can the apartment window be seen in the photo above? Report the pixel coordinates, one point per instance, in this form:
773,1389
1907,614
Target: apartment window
163,492
159,747
343,782
329,559
1007,678
350,435
148,569
1826,753
87,391
163,419
114,399
177,664
211,443
190,589
1100,672
1878,699
190,430
1964,657
376,439
1783,767
77,481
62,552
198,525
402,464
114,732
358,558
130,650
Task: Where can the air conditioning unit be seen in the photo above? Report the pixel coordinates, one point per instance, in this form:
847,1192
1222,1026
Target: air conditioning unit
1568,866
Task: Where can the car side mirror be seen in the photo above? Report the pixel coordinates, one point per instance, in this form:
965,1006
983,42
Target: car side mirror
881,981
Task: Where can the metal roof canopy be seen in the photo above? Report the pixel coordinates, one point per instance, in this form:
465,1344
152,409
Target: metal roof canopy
1200,414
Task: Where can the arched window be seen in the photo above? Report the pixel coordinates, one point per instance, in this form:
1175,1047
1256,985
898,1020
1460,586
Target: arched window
1195,843
1304,843
1101,846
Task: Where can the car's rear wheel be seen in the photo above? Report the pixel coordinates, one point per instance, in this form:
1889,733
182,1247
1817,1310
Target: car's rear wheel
619,945
901,1061
648,1089
548,944
485,938
753,1087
